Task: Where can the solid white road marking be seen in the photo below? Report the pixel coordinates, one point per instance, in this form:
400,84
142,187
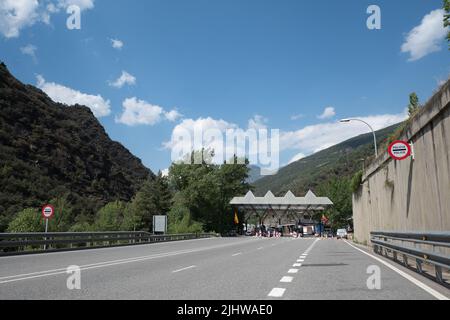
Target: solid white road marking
107,248
237,254
277,292
286,279
183,269
421,285
297,265
47,273
293,271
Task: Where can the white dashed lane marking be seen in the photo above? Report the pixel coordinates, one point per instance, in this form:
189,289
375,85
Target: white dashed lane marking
286,279
277,292
183,269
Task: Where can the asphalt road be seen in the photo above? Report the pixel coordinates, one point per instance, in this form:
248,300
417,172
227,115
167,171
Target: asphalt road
213,269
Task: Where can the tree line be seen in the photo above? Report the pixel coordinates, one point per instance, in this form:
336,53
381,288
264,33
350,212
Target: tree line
195,197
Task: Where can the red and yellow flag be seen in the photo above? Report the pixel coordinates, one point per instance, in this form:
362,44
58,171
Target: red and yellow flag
236,218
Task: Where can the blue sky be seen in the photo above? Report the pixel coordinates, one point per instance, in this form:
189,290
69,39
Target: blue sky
222,63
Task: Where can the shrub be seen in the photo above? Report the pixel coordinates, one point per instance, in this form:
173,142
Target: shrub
356,181
28,220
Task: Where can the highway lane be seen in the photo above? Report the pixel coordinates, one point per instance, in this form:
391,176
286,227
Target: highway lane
219,268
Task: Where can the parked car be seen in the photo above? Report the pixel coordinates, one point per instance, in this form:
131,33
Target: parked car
341,234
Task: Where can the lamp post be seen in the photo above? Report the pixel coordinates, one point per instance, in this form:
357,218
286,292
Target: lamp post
373,132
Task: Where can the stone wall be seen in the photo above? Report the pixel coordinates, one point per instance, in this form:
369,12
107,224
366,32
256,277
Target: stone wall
410,195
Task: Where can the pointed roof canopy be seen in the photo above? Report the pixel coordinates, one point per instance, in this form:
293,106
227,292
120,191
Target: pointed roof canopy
288,202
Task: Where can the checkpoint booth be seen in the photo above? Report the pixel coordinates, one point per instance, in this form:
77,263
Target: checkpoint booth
283,214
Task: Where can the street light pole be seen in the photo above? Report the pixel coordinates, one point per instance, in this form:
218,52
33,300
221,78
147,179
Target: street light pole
373,132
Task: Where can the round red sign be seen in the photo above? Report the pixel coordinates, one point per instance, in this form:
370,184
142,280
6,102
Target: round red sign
48,211
400,150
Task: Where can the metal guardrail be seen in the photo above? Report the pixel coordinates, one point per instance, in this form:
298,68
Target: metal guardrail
26,243
424,248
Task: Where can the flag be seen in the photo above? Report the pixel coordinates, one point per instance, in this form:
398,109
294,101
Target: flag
236,218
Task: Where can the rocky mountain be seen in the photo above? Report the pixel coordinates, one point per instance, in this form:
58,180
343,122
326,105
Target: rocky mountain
341,160
254,174
50,150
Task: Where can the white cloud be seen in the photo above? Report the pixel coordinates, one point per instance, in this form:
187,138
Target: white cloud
318,137
426,38
201,125
16,15
29,50
303,142
257,122
124,79
140,112
297,157
327,113
173,115
116,44
201,135
83,4
296,117
59,93
165,172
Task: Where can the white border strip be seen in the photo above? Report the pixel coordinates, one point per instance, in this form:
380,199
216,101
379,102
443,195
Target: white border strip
421,285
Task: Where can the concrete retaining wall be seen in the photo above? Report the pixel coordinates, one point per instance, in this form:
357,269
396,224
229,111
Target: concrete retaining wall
410,195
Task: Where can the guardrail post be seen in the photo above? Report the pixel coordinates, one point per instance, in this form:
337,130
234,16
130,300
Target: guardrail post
405,260
419,265
438,271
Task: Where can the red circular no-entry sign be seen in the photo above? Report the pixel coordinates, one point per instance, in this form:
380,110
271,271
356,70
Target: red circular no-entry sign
48,211
399,150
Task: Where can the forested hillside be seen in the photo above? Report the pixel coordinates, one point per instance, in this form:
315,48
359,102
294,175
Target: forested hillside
52,151
340,161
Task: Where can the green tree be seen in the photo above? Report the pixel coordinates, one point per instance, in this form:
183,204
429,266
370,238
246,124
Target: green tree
154,198
340,193
207,189
81,227
131,220
232,181
110,217
414,104
180,218
63,219
163,195
28,220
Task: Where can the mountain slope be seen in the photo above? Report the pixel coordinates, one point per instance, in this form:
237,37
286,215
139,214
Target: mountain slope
342,160
50,150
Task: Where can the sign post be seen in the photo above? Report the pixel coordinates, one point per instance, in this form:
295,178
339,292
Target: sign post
400,150
48,211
